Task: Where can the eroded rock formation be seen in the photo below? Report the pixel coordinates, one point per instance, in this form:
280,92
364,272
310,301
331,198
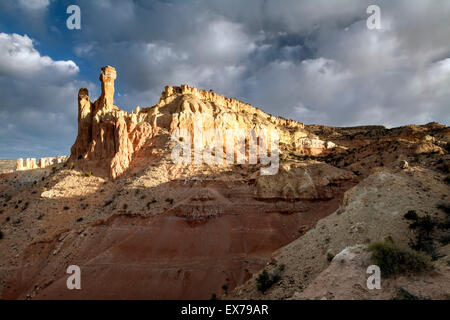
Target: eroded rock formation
31,163
110,140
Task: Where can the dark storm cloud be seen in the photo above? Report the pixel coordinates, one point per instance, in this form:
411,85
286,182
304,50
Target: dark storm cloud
315,61
312,60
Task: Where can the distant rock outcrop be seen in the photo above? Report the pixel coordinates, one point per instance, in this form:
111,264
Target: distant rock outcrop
31,163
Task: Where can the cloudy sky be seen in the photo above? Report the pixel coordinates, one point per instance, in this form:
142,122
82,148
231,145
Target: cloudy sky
314,61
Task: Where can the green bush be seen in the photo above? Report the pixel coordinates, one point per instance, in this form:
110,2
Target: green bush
424,224
411,215
393,260
330,256
265,280
423,230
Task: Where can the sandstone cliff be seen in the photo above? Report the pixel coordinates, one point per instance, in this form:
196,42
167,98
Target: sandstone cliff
168,230
31,163
111,140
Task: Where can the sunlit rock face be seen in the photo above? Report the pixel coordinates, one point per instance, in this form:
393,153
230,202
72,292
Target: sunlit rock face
32,163
110,141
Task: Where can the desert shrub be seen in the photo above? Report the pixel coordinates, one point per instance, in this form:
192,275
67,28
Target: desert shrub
125,206
170,200
71,166
411,215
1,234
444,207
79,219
213,297
266,280
263,281
88,174
447,180
424,224
44,189
330,256
225,288
66,208
393,260
423,241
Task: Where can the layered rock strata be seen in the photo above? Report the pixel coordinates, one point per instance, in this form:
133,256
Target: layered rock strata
111,140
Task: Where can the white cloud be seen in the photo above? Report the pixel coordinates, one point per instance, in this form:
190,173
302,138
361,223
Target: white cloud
18,57
39,100
33,4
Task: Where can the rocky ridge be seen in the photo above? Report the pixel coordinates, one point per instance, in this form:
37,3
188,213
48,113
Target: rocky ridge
141,226
110,141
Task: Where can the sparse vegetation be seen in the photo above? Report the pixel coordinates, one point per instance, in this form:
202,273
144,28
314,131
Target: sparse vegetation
225,288
170,200
79,219
330,256
1,235
423,227
66,208
88,174
394,260
411,215
71,166
266,280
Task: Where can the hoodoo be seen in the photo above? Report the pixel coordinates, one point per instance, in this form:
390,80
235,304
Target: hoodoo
111,141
